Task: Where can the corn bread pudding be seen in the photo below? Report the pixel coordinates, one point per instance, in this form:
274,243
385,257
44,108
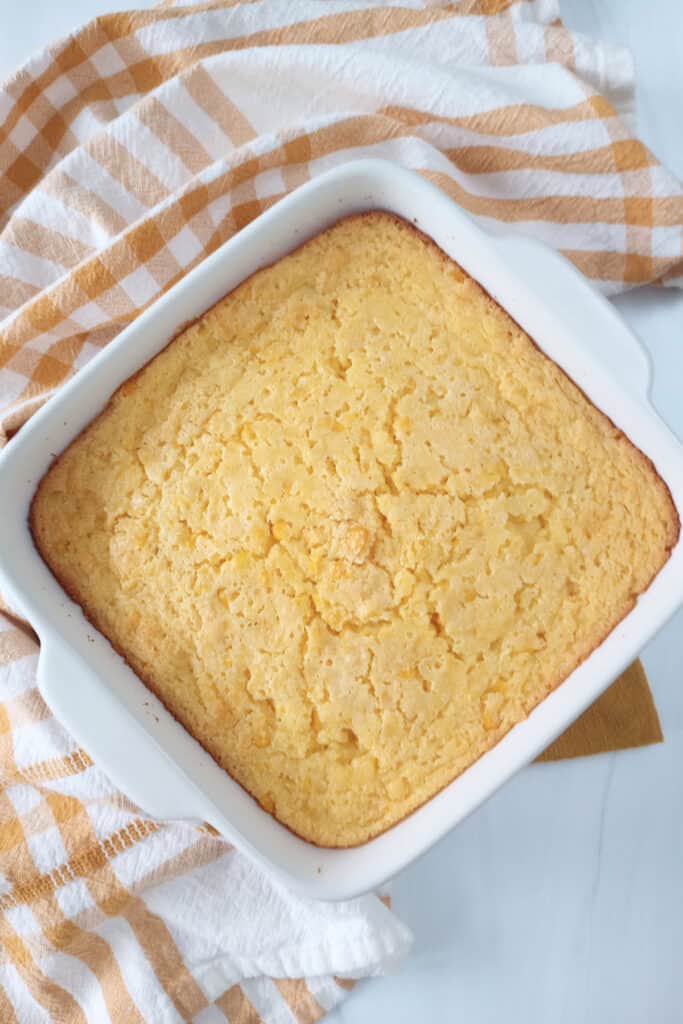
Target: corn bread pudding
351,526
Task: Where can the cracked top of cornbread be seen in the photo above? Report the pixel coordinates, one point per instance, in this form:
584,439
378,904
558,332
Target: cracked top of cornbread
351,526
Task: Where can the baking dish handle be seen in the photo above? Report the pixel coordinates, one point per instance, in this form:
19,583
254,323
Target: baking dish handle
124,749
594,320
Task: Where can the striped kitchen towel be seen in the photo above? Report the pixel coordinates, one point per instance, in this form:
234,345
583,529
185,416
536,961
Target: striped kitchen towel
106,915
129,151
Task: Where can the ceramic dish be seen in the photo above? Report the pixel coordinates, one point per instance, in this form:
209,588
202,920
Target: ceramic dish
117,719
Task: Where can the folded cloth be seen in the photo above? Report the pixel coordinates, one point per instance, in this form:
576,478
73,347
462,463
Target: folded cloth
129,151
624,716
107,915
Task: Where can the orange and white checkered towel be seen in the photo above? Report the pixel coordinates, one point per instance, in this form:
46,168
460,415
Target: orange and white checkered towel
129,151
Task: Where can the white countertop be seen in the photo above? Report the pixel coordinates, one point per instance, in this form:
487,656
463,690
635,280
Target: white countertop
561,900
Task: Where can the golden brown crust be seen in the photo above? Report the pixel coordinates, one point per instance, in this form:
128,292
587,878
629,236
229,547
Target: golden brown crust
357,553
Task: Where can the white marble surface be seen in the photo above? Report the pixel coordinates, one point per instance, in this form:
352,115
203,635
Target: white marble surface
561,900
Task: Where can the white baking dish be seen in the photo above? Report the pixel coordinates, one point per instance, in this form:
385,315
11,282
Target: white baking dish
116,718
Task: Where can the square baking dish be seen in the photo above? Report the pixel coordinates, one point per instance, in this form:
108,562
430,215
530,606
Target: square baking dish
98,697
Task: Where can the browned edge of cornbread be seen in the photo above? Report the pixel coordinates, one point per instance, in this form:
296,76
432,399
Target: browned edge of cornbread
600,633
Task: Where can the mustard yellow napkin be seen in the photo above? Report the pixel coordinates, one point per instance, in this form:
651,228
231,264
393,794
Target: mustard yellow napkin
624,716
